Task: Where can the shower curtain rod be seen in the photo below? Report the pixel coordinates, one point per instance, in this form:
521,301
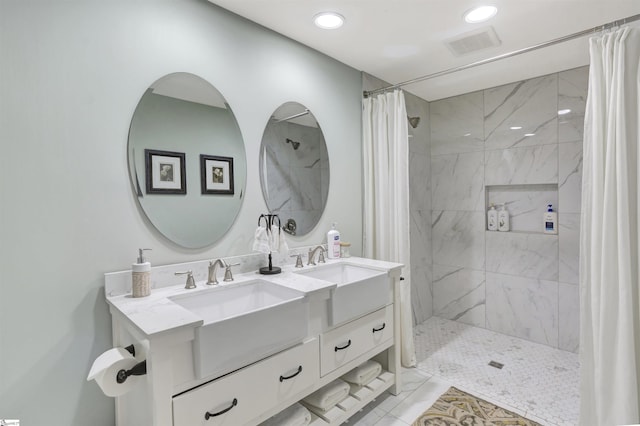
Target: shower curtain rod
590,31
300,114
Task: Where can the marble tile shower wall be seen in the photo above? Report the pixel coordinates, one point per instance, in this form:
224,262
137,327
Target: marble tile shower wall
420,209
525,283
298,179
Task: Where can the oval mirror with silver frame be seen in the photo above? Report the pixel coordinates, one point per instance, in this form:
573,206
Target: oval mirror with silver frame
187,160
294,168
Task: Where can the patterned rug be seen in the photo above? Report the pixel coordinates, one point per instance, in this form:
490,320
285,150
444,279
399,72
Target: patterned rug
457,408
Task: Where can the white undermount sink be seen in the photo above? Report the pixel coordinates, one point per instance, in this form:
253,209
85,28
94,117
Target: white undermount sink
244,323
359,290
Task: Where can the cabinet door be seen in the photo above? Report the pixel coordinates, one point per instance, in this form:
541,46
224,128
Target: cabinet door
349,341
241,396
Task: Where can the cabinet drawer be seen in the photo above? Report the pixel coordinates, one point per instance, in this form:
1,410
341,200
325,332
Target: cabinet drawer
347,342
241,396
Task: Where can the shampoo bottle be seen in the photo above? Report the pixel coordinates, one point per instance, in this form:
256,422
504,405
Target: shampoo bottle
333,243
492,218
141,276
550,220
503,219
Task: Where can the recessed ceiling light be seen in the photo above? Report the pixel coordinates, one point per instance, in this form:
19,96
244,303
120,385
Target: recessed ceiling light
515,127
529,134
328,20
480,14
564,111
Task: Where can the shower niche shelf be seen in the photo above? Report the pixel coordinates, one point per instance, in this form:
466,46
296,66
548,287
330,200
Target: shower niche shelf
526,204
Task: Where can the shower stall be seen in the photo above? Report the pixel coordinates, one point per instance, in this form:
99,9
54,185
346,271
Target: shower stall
519,145
466,153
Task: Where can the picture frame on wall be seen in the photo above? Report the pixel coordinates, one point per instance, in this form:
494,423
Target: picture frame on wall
216,174
165,172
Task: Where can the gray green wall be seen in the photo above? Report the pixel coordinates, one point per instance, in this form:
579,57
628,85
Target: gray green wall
71,75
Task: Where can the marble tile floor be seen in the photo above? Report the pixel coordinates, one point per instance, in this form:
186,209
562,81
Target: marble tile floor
537,381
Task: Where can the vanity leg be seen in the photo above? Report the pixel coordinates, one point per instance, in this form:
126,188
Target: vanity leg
117,341
395,357
138,406
160,386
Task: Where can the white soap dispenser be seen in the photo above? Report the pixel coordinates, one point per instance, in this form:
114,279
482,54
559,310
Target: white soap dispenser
550,220
492,218
333,243
141,276
503,219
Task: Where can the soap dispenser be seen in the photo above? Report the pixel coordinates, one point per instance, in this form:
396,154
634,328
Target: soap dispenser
141,276
503,219
550,220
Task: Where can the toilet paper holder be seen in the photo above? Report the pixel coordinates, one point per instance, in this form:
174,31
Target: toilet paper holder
112,369
140,369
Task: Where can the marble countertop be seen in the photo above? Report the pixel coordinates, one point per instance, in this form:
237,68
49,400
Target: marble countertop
158,314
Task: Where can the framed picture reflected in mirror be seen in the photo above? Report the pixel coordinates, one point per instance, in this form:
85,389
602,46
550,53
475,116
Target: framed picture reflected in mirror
216,174
165,172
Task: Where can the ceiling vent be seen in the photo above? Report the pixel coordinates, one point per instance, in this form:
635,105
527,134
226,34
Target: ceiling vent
473,41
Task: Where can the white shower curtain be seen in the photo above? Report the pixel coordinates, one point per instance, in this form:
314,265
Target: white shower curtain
386,197
609,258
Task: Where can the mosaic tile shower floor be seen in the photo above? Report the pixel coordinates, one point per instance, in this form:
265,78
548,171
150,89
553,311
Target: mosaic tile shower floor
537,381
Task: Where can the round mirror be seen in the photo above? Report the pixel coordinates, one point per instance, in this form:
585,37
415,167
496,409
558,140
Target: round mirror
187,160
294,168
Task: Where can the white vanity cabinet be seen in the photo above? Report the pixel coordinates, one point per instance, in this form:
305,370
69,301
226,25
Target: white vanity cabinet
172,394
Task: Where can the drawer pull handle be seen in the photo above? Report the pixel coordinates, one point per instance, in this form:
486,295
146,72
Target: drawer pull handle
344,347
283,378
381,328
208,415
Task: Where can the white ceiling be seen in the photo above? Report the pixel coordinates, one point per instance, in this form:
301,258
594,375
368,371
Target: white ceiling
398,40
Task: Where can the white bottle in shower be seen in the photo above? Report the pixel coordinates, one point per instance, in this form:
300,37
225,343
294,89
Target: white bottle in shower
503,219
492,218
550,220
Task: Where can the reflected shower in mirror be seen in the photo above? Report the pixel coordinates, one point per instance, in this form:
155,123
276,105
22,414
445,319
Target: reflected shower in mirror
294,168
187,160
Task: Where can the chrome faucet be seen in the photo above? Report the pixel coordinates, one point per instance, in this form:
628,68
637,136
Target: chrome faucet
312,254
213,268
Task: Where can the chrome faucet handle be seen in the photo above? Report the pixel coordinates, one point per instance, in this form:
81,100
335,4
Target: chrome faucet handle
191,283
298,257
228,276
321,256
